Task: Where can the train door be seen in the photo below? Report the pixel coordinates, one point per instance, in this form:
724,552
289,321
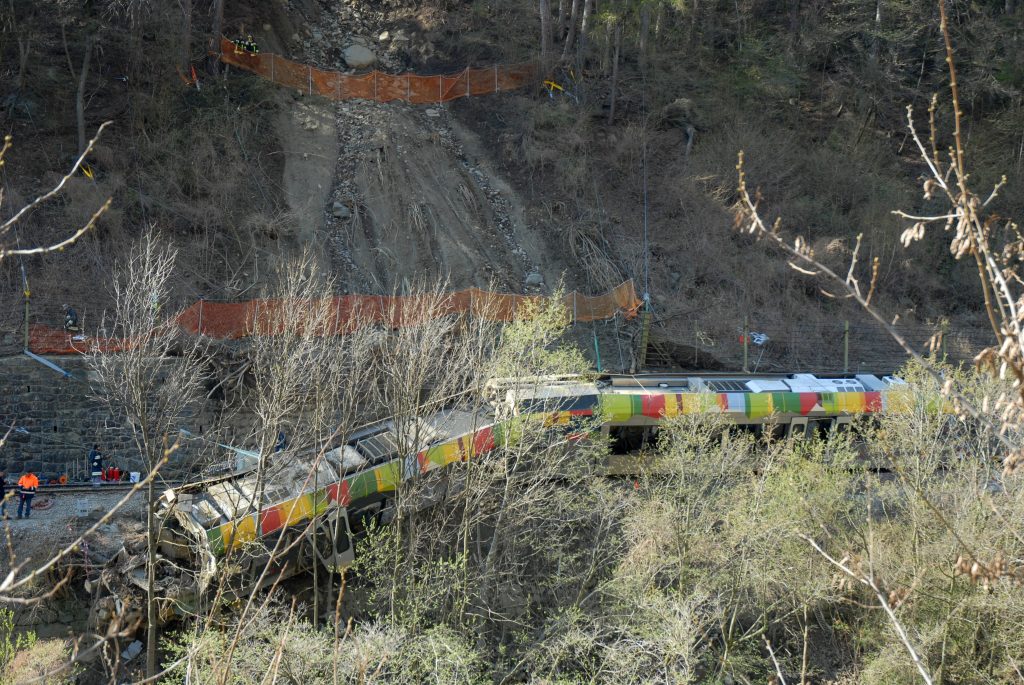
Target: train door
797,427
843,424
333,541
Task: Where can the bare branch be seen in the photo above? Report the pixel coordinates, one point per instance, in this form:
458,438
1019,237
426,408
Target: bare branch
6,226
869,582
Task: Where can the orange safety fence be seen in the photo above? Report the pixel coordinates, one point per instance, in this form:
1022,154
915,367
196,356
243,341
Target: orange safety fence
377,85
343,314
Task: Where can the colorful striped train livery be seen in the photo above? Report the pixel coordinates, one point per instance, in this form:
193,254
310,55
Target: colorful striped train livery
215,520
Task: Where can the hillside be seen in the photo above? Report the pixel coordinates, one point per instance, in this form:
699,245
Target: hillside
486,191
347,489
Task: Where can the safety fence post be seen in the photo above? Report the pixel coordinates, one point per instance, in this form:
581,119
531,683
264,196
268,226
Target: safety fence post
408,87
846,346
440,85
467,81
375,72
746,344
497,88
273,76
575,316
200,331
309,69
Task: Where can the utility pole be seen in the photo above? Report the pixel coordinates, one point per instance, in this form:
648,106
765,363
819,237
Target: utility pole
28,294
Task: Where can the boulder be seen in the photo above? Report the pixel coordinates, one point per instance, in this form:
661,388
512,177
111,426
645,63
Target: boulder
534,278
359,56
341,211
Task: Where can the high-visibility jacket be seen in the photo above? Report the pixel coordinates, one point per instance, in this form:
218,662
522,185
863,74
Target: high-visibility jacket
28,484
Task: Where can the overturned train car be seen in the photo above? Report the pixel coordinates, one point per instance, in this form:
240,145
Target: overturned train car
213,542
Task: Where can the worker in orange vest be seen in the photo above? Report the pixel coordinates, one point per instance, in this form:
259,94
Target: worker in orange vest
27,486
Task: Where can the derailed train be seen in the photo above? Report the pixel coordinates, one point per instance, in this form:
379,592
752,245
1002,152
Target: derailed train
212,538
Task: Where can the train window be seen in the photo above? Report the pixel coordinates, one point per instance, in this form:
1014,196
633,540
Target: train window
797,430
820,428
626,439
549,405
342,542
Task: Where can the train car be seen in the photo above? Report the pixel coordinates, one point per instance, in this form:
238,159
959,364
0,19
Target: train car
213,536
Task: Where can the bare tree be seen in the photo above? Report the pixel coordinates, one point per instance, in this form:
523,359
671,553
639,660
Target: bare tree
215,36
615,70
545,33
82,76
570,39
976,236
295,367
152,382
643,39
186,36
24,49
588,10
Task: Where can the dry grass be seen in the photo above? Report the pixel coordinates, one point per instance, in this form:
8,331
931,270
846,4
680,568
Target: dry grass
45,662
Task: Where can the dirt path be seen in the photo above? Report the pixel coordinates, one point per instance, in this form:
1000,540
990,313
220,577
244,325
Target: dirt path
58,518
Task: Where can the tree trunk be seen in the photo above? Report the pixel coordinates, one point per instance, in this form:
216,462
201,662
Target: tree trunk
588,9
151,614
1010,7
545,35
876,43
560,25
83,77
645,29
24,49
795,22
615,70
571,38
606,54
218,29
186,37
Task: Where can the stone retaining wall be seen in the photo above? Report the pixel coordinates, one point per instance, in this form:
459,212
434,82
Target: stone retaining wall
64,418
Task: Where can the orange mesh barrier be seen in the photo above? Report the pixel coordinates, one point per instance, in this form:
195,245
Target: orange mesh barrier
377,85
233,320
45,340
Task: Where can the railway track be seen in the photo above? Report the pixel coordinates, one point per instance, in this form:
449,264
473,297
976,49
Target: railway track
90,489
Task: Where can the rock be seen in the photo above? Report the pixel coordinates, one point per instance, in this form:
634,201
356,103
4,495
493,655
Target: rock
534,278
359,56
384,35
341,211
681,113
432,113
134,649
267,28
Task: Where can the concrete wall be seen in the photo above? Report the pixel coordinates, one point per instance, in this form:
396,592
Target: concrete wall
64,419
